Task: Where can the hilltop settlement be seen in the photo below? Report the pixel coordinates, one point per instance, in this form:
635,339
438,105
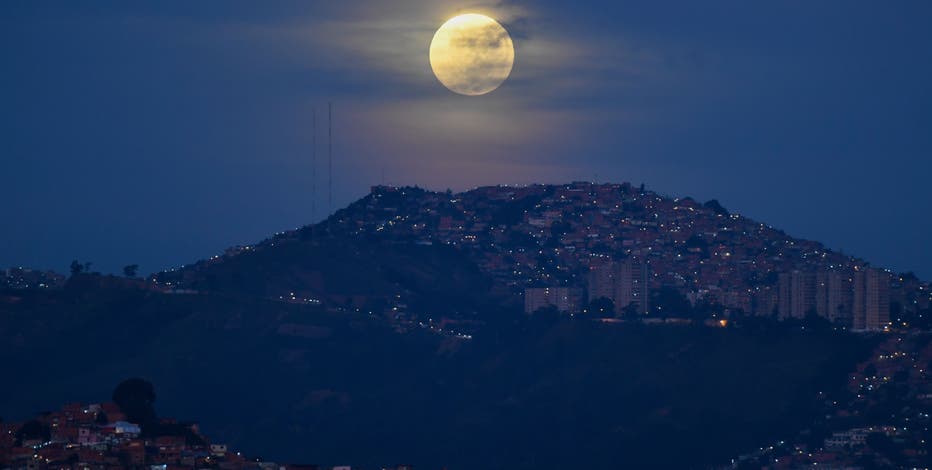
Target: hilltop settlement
615,250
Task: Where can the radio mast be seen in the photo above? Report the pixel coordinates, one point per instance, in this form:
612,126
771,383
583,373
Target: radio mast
329,158
314,166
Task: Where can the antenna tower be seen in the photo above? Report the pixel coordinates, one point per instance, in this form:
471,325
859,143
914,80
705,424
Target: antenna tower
314,166
329,158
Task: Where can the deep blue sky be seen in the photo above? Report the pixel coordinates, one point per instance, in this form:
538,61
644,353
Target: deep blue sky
161,132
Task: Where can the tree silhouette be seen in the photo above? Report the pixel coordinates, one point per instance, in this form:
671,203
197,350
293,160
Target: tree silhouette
130,270
602,307
669,302
630,310
136,398
33,430
716,207
76,268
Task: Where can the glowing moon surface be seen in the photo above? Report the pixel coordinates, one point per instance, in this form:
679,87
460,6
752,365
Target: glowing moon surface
472,54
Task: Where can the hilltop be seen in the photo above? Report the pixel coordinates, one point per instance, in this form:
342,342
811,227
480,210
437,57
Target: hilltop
490,245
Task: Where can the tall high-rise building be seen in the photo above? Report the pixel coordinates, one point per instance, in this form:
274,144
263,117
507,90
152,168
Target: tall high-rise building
624,283
797,294
803,296
871,306
784,289
641,293
834,296
764,301
602,281
564,299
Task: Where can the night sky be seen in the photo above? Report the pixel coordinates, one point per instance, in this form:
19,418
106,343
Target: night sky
162,132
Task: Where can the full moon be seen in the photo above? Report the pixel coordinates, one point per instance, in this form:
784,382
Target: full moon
472,54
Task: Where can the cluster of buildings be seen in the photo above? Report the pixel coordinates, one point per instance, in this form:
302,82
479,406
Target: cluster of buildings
860,299
24,278
624,284
882,421
97,436
564,246
847,449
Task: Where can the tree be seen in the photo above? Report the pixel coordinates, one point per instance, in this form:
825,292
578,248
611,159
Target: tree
547,313
602,307
130,270
136,398
669,302
818,323
716,207
33,430
76,268
102,418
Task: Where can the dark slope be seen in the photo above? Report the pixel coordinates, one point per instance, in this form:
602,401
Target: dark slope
295,383
347,272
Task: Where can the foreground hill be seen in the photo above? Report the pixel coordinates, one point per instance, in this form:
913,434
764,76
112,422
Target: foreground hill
297,383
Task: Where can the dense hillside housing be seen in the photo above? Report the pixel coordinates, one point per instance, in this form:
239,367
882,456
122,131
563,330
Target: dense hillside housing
565,246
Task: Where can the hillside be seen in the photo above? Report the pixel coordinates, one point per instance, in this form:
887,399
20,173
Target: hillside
500,241
394,332
300,384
